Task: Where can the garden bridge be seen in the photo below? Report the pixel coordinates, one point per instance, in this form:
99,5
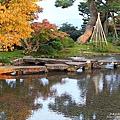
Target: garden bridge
36,65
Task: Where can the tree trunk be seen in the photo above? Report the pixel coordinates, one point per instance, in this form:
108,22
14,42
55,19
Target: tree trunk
89,28
28,46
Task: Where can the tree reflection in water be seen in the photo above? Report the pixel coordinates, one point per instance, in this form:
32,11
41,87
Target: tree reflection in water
75,96
102,93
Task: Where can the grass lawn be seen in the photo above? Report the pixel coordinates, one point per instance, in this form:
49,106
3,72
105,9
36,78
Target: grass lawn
13,54
86,50
77,50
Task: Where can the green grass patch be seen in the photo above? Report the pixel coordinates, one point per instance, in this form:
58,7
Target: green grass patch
13,54
4,59
87,50
118,47
76,50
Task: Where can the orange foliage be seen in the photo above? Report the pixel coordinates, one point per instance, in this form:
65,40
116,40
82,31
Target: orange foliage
48,29
14,21
42,32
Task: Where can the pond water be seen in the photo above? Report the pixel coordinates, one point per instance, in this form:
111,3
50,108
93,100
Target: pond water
109,57
88,95
101,57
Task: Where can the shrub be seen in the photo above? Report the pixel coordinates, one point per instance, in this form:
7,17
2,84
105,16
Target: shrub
54,45
68,42
46,49
109,39
57,45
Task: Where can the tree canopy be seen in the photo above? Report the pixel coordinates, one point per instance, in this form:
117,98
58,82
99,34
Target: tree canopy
89,10
15,17
71,30
43,32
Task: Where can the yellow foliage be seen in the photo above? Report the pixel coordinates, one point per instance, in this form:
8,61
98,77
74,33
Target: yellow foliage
15,19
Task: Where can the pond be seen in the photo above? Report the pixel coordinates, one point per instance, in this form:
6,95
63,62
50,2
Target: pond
107,57
88,95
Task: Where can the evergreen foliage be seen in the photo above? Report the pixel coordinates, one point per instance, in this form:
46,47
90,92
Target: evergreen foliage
73,31
53,46
64,3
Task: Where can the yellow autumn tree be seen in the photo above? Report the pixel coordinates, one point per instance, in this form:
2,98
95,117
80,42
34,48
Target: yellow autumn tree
15,17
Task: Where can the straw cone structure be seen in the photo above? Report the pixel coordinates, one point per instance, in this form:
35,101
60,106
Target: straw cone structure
98,37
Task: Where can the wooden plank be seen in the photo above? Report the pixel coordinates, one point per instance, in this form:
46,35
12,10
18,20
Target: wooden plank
63,61
6,69
73,66
104,62
85,60
79,64
56,66
28,69
27,60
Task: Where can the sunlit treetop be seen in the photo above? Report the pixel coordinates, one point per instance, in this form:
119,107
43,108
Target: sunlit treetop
48,30
15,17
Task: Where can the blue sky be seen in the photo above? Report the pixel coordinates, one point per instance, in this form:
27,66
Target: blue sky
59,15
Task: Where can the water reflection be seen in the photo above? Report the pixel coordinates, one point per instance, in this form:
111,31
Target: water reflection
93,95
107,57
